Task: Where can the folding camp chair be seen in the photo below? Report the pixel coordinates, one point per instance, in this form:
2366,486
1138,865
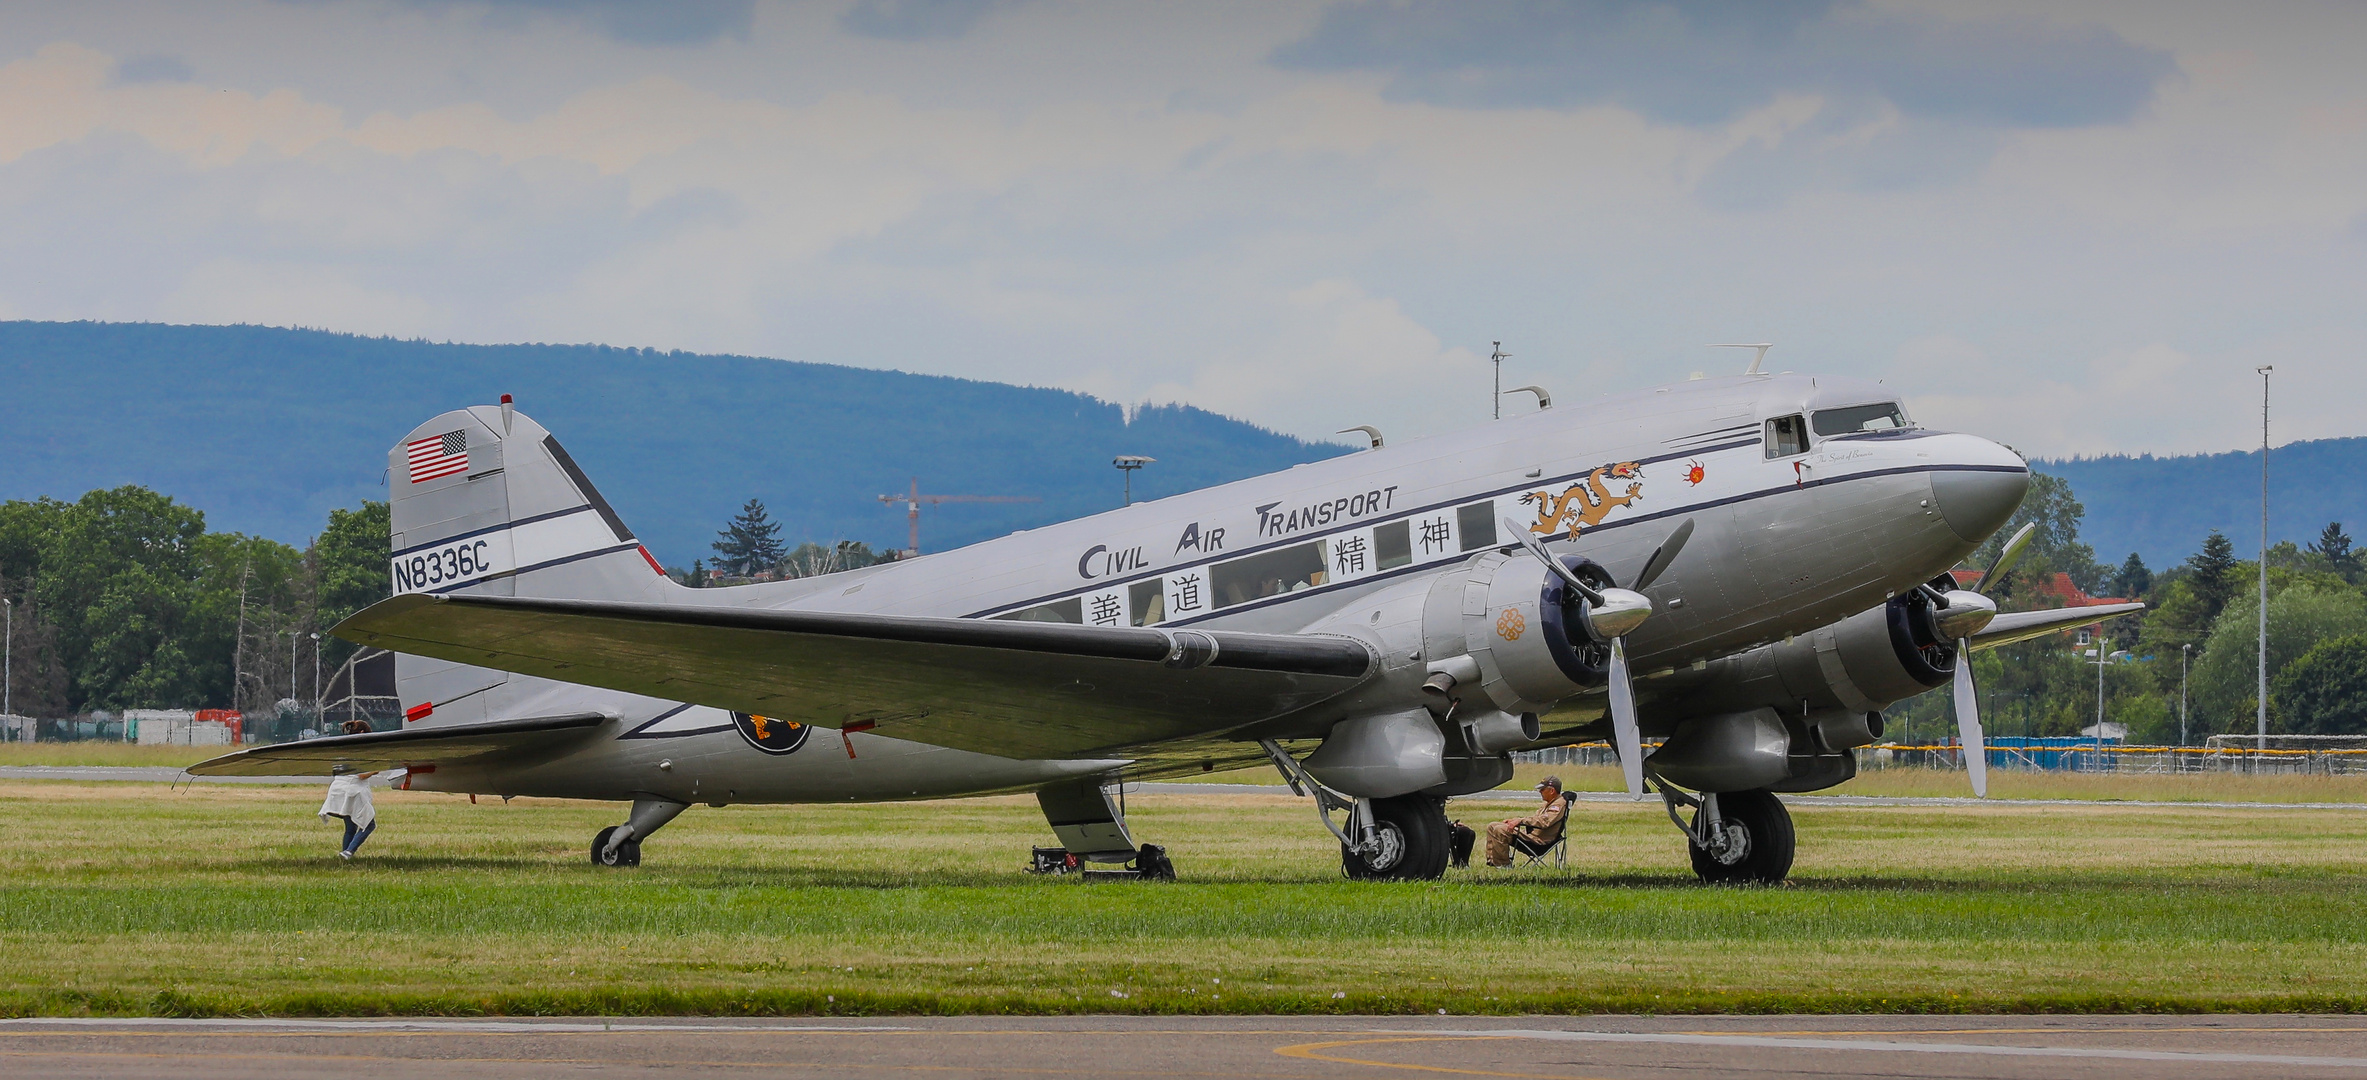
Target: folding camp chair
1556,845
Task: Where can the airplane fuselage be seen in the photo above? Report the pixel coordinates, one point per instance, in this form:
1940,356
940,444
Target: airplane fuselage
1795,527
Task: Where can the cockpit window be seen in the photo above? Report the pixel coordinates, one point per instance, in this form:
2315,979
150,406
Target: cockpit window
1787,435
1856,418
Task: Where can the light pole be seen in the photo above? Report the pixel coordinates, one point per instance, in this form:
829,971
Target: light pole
1127,463
2263,688
316,674
295,637
8,664
2185,661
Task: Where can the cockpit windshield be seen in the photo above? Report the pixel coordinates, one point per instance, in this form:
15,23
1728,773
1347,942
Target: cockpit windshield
1886,416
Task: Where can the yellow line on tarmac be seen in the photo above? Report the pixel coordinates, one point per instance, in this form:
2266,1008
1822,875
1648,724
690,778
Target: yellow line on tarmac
1308,1051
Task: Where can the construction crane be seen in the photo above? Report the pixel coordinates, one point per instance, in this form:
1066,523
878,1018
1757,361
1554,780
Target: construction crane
914,500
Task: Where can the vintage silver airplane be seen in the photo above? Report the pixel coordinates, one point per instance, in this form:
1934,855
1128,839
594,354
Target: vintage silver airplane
1748,568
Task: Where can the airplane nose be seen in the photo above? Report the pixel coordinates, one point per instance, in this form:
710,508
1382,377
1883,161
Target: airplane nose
1976,502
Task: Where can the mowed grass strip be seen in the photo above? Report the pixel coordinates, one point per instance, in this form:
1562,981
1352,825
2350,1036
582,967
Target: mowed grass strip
131,898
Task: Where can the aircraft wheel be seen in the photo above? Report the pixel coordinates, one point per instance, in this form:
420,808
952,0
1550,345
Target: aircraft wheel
1759,845
1414,841
626,854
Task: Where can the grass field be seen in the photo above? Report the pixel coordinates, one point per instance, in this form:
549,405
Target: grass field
129,898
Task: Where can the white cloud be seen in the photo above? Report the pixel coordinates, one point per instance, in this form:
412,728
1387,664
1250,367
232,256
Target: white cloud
1130,200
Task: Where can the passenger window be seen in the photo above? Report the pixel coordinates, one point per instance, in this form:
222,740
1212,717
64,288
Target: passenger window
1149,602
1476,524
1393,545
1787,435
1273,573
1071,610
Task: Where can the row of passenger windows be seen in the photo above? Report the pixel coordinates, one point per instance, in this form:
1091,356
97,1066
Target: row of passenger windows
1343,557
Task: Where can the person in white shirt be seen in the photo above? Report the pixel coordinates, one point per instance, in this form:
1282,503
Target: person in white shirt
349,798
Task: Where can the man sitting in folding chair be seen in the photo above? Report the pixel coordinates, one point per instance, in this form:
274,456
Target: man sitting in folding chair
1533,835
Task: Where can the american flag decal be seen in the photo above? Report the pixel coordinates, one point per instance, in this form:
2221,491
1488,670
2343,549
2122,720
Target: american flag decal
437,455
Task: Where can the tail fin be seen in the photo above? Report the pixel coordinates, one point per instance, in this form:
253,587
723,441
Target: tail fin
485,501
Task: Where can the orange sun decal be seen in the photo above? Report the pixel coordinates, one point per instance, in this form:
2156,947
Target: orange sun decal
1695,474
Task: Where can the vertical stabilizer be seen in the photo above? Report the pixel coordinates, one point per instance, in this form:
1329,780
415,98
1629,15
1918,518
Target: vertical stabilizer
484,501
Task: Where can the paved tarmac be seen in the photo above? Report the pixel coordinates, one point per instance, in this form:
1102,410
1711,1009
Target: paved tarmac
2015,1047
166,774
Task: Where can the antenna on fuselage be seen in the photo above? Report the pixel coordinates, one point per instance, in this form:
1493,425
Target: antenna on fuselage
1761,358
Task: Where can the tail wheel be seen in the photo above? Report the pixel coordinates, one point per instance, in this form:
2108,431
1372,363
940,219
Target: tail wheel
625,854
1415,841
1758,845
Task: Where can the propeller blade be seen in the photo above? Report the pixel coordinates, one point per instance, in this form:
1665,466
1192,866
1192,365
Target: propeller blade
1665,554
2007,556
1536,547
1624,733
1968,723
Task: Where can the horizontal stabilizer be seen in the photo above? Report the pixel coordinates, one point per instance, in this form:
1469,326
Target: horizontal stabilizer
396,749
2019,626
1010,688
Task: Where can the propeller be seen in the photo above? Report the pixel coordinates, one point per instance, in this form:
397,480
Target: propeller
1958,614
1610,615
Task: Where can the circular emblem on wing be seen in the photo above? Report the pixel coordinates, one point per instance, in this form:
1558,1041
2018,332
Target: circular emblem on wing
769,734
1511,624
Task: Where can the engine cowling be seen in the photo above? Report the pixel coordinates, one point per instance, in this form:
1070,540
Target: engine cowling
1514,628
1853,667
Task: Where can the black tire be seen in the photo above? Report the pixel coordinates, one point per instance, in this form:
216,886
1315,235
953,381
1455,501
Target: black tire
1767,825
626,854
1416,841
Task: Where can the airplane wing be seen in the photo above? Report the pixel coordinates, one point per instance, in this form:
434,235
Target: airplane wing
2020,626
1014,689
410,746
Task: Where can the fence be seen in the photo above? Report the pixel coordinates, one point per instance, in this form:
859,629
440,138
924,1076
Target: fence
2053,755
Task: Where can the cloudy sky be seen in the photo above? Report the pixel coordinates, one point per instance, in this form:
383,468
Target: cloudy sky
2076,227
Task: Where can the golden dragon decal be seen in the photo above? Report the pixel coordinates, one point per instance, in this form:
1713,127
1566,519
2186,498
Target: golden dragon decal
1585,502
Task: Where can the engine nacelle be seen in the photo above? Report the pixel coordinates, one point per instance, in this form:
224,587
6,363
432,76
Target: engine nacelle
1859,665
1509,624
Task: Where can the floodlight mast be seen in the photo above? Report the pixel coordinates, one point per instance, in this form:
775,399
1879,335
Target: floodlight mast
1127,463
2262,698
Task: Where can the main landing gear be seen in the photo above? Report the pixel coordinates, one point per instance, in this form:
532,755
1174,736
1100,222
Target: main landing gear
1405,838
1736,837
620,845
1399,838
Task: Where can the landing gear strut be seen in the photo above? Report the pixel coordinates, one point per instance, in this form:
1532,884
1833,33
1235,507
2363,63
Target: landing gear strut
1403,837
620,845
1735,836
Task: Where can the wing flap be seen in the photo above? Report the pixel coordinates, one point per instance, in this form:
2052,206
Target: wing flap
2019,626
1014,689
410,746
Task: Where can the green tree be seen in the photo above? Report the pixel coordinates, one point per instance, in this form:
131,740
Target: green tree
2213,570
2133,579
2302,611
2325,691
2051,506
751,542
2334,547
115,578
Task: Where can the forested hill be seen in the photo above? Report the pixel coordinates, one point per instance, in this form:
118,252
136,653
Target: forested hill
266,429
2162,508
